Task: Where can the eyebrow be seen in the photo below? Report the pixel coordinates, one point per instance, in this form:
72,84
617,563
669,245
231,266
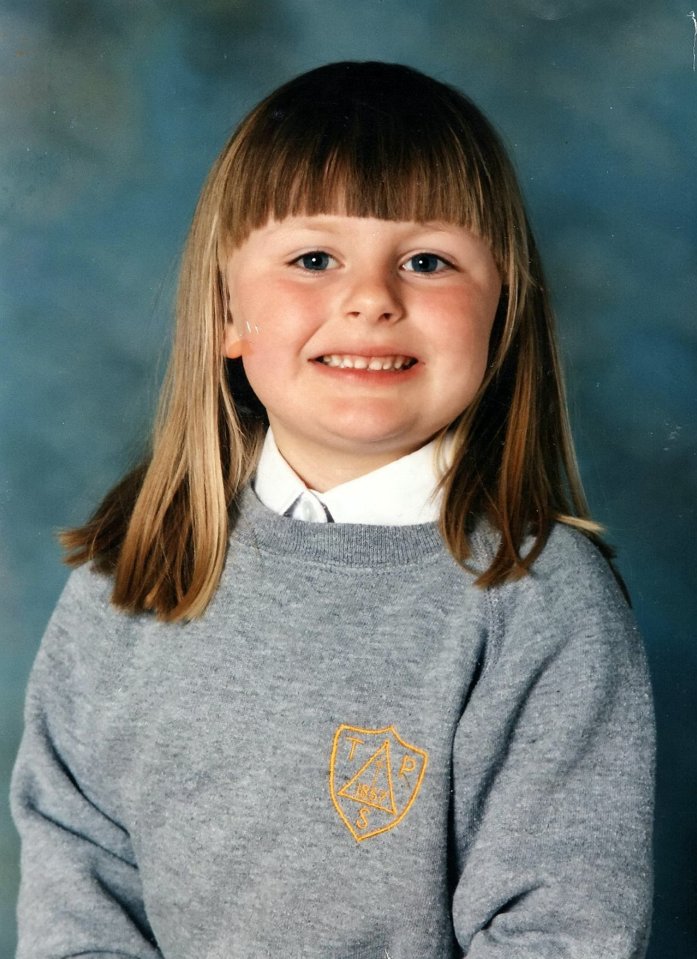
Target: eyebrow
312,225
317,224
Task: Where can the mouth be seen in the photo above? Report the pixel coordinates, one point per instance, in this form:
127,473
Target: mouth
352,361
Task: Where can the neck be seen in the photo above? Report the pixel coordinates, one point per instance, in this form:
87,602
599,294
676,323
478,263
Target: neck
322,469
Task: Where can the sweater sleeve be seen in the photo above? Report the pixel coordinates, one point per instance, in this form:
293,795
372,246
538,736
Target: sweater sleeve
553,772
80,891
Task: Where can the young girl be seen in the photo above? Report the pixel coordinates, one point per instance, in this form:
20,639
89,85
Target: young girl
344,672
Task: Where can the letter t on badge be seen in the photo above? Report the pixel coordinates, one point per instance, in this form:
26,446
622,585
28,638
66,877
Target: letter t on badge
354,742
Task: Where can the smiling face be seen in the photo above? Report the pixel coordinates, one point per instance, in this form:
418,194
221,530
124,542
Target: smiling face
363,338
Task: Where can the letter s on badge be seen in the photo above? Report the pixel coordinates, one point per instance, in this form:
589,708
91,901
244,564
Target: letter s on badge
374,778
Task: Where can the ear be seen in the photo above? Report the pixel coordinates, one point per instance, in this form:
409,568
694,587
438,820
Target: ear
233,344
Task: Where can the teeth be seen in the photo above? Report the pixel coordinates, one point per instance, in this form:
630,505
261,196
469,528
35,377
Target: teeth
352,362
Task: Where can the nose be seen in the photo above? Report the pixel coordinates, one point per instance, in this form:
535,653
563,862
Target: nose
373,297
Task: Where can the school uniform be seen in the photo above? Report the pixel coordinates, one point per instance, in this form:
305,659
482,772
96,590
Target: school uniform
354,753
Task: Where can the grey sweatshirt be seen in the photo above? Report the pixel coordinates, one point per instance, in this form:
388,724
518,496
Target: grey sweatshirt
355,753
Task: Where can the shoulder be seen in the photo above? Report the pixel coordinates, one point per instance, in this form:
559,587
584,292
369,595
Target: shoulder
84,613
570,569
571,565
570,598
84,628
85,654
86,593
566,630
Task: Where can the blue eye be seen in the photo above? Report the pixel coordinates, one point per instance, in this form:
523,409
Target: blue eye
425,263
316,260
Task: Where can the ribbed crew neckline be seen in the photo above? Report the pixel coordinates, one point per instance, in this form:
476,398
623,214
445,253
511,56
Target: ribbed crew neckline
346,544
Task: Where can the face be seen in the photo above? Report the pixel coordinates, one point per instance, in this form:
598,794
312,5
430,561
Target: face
363,338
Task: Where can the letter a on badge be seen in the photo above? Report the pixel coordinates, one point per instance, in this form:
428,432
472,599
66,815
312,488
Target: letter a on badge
376,773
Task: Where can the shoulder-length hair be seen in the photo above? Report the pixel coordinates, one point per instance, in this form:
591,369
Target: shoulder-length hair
368,140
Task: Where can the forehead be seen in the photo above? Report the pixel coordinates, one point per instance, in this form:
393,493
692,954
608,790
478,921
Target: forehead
345,226
347,223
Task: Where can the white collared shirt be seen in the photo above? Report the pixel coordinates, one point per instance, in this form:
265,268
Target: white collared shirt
399,494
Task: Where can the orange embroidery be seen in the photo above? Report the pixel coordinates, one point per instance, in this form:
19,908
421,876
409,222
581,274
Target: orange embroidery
374,777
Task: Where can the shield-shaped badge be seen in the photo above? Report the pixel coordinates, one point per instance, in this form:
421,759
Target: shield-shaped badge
374,778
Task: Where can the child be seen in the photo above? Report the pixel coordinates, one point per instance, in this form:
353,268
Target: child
360,684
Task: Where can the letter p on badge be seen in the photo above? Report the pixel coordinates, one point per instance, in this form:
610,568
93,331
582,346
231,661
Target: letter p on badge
374,778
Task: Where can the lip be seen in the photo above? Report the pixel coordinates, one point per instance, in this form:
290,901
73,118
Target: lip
366,377
368,353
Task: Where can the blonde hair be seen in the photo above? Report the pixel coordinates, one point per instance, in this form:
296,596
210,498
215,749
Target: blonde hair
363,139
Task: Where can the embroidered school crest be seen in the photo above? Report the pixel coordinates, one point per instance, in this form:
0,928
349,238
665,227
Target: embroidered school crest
374,778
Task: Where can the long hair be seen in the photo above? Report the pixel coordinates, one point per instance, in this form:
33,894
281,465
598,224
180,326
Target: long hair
368,140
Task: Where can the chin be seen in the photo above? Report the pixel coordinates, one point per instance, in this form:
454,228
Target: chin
371,443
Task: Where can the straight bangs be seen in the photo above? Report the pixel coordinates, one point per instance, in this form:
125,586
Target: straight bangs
380,141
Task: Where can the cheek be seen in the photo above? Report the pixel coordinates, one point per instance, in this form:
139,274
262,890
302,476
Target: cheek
268,364
246,305
467,328
258,365
259,377
279,315
464,344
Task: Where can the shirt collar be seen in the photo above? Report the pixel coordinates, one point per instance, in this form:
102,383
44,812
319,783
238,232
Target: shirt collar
276,484
402,493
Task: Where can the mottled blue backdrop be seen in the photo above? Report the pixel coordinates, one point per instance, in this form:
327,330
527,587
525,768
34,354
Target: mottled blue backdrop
111,113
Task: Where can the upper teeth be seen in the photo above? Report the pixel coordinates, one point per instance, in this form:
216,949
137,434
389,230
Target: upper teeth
349,361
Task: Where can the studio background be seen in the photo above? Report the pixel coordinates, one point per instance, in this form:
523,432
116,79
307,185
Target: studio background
111,112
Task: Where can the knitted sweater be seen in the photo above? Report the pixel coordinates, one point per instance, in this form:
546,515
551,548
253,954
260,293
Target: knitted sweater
355,753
